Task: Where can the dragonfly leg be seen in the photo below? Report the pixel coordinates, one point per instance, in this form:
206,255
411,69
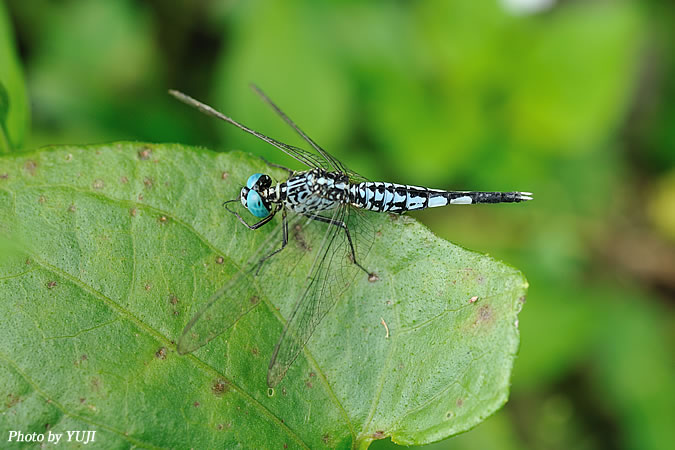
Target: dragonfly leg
256,225
339,223
284,241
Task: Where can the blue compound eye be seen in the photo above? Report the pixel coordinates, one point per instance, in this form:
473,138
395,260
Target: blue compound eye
255,204
253,179
259,181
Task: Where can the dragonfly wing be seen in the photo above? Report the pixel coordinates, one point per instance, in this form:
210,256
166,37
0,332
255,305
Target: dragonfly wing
318,158
331,274
234,299
335,165
314,159
206,109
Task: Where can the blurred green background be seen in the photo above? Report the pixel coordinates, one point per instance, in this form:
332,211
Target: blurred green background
572,100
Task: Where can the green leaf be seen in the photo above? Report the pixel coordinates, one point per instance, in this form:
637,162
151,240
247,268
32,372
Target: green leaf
126,241
14,115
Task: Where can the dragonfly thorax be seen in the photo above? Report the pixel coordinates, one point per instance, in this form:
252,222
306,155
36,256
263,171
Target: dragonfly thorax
330,185
315,190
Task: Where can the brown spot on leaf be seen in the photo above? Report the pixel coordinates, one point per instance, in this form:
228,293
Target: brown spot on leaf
12,400
84,357
163,219
140,197
51,284
71,208
4,176
484,316
255,351
148,286
460,402
196,404
30,167
309,384
224,176
27,261
147,181
300,238
379,434
82,399
220,260
42,199
173,299
144,153
254,300
473,299
372,277
124,180
220,387
96,384
325,438
485,313
98,184
132,212
161,353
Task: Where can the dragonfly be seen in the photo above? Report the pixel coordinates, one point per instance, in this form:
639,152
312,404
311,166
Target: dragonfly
328,193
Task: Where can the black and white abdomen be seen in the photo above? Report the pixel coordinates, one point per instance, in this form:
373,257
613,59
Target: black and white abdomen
399,198
388,197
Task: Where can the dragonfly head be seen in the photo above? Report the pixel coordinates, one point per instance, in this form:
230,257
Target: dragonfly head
253,195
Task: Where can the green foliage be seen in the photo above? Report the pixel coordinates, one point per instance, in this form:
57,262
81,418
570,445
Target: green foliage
125,242
465,99
14,117
575,103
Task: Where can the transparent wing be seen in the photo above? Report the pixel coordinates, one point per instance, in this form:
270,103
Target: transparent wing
335,165
319,158
314,159
331,274
236,298
294,152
